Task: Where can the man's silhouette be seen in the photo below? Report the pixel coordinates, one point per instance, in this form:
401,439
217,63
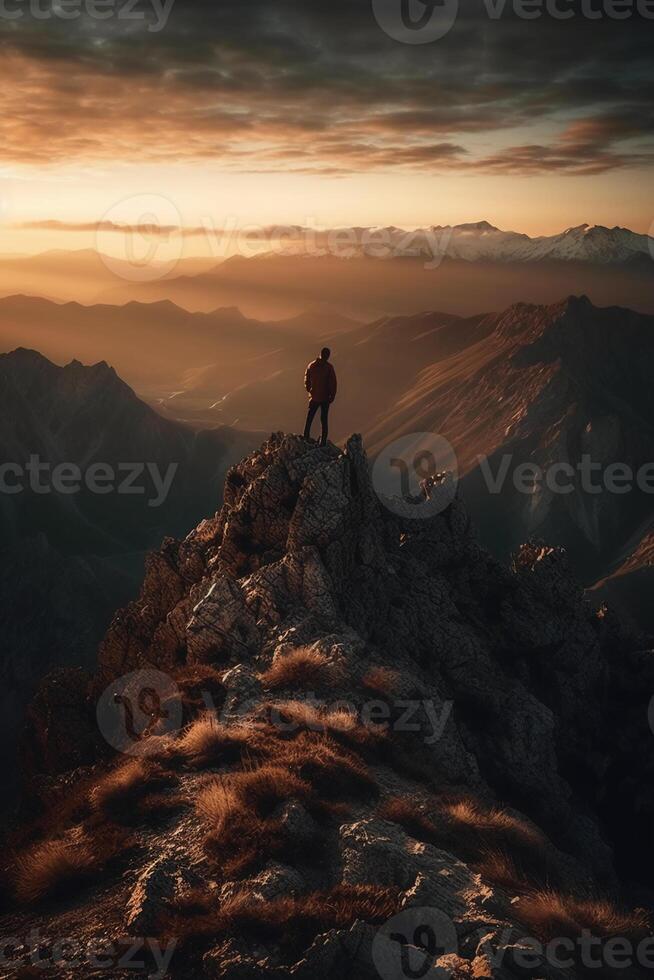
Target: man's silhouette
320,382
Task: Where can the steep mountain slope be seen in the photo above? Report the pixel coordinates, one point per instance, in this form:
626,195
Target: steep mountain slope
550,386
72,549
403,726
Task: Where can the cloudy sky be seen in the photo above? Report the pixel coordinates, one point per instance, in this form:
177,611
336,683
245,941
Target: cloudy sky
322,113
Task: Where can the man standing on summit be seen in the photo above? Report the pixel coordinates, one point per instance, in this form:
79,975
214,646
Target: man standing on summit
320,382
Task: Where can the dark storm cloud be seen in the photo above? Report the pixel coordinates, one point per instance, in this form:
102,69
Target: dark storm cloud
247,83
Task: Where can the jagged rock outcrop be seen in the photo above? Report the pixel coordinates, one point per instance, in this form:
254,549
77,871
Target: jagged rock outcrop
431,675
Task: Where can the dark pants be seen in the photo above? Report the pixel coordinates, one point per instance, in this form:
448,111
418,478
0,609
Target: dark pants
324,419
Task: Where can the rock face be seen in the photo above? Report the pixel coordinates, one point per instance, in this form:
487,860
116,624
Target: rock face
447,681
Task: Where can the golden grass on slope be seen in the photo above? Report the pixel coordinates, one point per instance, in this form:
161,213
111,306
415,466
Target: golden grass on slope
207,742
59,867
550,914
332,770
500,868
120,793
493,840
244,829
215,801
339,723
511,853
304,667
245,842
263,789
258,791
292,922
483,826
52,867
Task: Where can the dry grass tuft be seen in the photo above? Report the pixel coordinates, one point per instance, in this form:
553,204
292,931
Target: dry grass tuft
59,867
495,841
303,667
207,742
549,914
258,792
340,723
263,789
382,680
239,809
290,922
52,868
289,715
486,823
493,826
119,795
243,809
332,770
244,842
500,868
216,801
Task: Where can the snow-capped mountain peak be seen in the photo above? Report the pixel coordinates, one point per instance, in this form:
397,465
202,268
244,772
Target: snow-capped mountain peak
477,241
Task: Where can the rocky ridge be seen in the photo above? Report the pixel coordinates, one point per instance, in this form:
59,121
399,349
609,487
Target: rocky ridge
512,715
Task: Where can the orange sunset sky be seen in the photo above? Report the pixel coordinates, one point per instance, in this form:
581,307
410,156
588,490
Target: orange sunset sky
289,112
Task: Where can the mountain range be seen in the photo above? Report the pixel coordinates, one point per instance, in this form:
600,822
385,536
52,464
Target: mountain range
474,242
69,559
363,273
543,385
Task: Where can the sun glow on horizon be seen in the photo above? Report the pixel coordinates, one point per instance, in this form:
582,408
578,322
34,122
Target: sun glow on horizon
193,198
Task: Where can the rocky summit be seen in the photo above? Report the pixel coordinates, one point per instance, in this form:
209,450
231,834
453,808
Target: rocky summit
328,742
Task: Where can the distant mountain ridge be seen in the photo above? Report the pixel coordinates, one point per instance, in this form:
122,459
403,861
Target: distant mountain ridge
362,273
477,241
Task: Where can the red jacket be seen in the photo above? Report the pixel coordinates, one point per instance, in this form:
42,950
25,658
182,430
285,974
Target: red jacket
320,381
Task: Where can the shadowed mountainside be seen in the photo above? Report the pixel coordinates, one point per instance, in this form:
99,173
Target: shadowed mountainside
70,558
